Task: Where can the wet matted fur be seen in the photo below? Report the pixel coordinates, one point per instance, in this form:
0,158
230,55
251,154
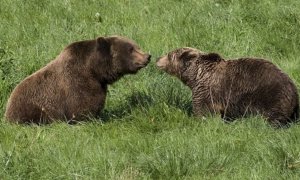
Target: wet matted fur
234,88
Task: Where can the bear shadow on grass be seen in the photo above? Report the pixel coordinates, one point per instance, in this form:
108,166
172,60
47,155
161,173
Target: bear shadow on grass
136,99
143,101
177,101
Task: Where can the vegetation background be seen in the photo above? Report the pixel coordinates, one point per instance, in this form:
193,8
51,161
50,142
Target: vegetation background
147,130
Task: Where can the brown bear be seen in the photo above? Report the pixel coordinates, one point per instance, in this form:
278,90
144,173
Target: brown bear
74,85
234,88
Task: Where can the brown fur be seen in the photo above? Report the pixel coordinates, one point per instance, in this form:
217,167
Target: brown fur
75,83
234,88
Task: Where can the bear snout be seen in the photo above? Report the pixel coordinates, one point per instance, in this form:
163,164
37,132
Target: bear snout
161,62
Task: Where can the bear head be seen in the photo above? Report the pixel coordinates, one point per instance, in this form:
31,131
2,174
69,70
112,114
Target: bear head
123,55
181,60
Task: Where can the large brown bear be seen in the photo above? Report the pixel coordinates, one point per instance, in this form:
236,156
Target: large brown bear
234,88
75,83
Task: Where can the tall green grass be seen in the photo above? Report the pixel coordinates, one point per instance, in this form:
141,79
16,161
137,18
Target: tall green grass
146,130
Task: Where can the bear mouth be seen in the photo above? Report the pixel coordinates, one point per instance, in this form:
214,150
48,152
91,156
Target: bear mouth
159,66
140,66
136,67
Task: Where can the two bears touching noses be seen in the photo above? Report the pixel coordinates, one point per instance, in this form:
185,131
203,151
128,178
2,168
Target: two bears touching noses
74,84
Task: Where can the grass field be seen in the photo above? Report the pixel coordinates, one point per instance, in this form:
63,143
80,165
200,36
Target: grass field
147,130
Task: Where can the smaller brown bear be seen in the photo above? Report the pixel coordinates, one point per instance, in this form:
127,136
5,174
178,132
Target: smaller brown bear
75,83
234,88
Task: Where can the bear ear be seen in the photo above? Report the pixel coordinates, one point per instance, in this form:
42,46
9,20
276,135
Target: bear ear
187,55
212,57
103,45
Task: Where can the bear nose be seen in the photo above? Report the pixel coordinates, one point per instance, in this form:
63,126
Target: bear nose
149,57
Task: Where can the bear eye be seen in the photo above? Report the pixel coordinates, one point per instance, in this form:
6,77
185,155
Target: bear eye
131,48
170,56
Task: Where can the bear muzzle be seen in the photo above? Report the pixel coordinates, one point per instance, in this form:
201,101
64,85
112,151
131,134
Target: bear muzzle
162,62
143,62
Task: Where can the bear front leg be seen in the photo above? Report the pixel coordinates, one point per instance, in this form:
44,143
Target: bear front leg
200,108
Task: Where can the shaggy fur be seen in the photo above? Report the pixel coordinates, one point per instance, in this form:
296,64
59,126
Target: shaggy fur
234,88
75,83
